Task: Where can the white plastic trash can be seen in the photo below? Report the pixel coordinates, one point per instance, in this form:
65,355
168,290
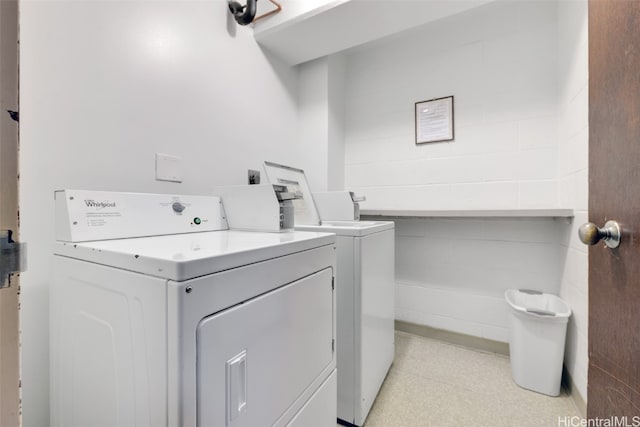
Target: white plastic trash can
536,339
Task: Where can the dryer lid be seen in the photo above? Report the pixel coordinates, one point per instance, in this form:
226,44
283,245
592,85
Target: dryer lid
181,257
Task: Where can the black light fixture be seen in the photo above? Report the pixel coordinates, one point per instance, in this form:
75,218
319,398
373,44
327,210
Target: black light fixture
243,14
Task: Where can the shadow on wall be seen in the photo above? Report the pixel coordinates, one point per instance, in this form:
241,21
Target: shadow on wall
231,25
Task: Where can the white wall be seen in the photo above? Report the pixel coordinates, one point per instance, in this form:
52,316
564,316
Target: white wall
104,86
499,61
313,125
321,122
518,71
336,136
573,177
451,273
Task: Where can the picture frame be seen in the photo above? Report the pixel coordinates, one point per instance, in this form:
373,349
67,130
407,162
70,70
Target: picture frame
434,120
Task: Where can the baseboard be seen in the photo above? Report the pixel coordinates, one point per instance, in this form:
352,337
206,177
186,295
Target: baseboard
576,397
456,338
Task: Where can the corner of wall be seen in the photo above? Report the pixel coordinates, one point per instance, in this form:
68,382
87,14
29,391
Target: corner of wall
573,148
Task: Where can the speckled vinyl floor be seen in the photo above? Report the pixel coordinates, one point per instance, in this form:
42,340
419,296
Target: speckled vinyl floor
432,383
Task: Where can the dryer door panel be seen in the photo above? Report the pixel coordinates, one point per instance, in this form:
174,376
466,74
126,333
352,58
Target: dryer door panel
255,359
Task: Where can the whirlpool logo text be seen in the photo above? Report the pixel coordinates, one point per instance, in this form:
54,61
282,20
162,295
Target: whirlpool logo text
100,205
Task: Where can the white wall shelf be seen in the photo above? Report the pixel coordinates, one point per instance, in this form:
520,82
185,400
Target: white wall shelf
304,37
470,213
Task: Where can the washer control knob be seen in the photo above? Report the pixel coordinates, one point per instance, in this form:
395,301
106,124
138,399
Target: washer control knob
178,207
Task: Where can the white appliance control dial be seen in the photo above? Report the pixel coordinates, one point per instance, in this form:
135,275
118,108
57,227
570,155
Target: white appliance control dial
178,207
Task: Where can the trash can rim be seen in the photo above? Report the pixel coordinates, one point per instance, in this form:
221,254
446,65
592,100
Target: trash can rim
534,311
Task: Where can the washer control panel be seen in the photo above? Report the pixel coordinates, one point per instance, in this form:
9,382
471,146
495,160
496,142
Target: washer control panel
99,215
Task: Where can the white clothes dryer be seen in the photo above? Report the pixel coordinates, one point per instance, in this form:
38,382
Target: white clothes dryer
365,285
160,316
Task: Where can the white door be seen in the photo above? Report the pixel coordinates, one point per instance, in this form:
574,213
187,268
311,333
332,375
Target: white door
9,326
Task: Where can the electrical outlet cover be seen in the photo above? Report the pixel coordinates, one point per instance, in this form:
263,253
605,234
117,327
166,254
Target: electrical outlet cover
168,168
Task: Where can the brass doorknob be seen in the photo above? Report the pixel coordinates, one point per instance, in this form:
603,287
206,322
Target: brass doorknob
590,234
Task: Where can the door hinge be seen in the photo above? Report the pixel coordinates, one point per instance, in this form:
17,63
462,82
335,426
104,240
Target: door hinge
15,116
333,283
12,257
333,345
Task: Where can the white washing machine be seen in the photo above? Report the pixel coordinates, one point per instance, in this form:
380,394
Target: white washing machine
161,316
365,285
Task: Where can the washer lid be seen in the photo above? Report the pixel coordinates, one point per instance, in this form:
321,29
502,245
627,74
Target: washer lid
306,212
185,256
349,228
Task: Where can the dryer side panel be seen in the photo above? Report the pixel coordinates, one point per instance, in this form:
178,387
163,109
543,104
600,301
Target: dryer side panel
256,359
108,346
347,330
377,314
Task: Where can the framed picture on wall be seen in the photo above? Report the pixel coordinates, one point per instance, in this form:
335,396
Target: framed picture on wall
434,120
